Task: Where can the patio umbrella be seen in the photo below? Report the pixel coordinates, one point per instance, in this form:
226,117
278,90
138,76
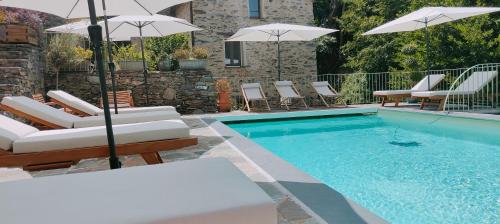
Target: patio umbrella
278,32
78,28
148,26
429,16
82,8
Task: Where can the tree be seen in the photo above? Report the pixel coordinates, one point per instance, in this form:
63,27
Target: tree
461,43
61,52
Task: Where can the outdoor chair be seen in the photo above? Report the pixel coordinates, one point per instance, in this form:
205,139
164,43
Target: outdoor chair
124,99
470,86
201,191
288,92
24,146
253,92
398,95
53,118
84,108
325,91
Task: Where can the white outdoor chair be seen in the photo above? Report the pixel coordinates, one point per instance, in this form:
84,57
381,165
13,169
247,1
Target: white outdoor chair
253,92
325,90
288,92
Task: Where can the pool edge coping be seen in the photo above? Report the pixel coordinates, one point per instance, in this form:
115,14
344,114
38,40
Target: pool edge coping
325,203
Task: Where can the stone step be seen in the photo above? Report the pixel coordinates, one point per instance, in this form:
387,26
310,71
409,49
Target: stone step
12,55
23,63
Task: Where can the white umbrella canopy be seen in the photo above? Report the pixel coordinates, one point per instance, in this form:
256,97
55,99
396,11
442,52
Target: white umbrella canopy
280,32
79,28
430,16
79,8
127,26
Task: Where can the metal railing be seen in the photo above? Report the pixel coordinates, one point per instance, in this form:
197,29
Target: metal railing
476,90
358,88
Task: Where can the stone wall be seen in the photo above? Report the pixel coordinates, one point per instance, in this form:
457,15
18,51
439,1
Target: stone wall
21,69
190,91
221,19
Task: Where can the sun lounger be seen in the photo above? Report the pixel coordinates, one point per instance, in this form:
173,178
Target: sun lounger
48,116
287,92
253,92
83,108
325,90
398,95
202,191
470,86
22,145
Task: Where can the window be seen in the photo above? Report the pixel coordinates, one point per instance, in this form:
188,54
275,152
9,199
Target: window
254,8
233,54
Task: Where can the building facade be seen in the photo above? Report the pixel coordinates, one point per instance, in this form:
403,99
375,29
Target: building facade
252,61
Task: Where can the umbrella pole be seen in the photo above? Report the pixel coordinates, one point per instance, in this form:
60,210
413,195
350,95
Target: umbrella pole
427,55
279,59
111,63
145,70
95,33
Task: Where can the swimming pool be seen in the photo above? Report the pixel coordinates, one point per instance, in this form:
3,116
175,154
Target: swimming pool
405,167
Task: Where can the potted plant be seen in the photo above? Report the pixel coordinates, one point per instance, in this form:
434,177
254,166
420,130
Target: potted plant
162,49
128,58
224,92
196,59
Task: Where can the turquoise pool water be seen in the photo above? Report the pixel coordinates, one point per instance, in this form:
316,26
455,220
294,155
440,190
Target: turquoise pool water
405,167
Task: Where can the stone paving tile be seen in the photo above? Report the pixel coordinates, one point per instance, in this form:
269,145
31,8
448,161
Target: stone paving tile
210,145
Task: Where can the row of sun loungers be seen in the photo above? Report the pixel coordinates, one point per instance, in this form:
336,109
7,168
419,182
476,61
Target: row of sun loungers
166,193
253,92
470,86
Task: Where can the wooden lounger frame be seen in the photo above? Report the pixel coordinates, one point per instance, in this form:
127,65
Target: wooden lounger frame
35,120
440,100
67,157
397,98
247,102
322,97
70,108
283,100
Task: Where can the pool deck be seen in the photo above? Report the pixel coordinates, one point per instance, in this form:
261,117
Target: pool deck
300,198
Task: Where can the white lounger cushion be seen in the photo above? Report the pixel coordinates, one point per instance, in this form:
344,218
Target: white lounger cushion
420,86
202,191
66,120
12,130
40,110
252,91
285,89
96,136
471,85
323,88
129,118
88,108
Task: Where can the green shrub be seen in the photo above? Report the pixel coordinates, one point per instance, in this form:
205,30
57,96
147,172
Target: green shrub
354,89
163,48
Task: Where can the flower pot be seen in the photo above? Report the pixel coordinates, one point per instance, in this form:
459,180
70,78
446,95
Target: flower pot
224,102
165,65
130,65
195,64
